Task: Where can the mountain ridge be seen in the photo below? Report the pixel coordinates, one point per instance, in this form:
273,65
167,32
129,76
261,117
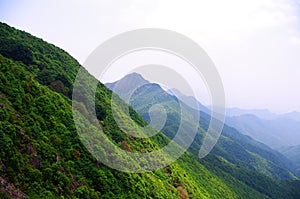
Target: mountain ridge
142,99
42,155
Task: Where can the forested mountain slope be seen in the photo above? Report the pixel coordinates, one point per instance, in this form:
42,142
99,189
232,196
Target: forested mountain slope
236,153
233,146
41,153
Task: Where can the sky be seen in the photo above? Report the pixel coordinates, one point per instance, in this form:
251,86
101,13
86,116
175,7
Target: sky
255,44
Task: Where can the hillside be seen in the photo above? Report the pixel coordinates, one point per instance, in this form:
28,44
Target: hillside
233,146
243,155
281,132
292,153
42,155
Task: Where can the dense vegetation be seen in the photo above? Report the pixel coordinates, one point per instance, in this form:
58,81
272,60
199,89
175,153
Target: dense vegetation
235,155
42,156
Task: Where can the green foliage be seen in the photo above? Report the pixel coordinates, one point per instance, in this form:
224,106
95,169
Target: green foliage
245,162
42,155
16,51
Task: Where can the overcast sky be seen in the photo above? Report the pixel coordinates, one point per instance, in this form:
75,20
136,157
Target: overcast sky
255,44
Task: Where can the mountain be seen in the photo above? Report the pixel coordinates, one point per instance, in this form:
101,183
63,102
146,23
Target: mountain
238,153
260,113
124,86
295,115
149,94
189,100
42,154
279,131
293,154
276,133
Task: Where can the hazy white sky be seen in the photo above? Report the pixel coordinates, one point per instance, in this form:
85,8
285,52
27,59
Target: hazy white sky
255,44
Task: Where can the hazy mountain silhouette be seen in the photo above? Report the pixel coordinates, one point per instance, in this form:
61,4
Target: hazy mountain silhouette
276,133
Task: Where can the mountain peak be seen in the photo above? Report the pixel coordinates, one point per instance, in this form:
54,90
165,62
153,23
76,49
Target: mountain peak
128,80
134,78
126,84
134,75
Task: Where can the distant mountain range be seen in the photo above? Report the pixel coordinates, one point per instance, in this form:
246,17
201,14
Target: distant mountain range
276,133
274,130
262,114
233,146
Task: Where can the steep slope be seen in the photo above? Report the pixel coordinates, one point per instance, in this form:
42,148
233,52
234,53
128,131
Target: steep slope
293,154
189,100
42,155
237,150
124,86
233,146
279,131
